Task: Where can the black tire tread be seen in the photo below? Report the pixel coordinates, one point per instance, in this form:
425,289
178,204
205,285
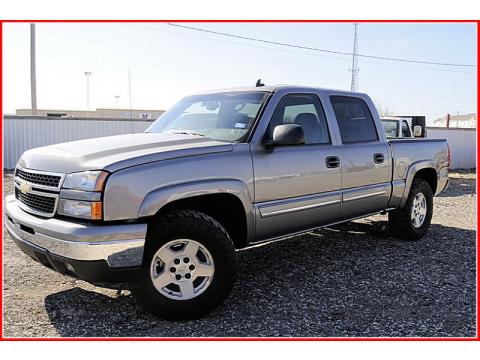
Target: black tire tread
199,223
399,221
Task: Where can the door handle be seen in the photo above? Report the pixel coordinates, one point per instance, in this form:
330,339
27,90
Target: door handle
378,158
333,162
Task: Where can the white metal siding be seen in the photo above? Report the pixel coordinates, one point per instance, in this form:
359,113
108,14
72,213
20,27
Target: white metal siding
21,134
462,145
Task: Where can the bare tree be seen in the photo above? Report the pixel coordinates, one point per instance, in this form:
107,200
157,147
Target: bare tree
384,110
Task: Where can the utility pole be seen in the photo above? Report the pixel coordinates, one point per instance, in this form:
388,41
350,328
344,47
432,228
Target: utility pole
355,69
87,75
130,101
33,75
130,94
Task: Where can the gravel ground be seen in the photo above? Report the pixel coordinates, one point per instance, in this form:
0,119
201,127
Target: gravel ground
348,280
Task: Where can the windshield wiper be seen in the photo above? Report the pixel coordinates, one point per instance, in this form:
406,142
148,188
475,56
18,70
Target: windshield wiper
187,133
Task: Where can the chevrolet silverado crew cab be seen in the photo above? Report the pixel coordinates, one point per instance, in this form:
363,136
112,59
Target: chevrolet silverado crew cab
166,210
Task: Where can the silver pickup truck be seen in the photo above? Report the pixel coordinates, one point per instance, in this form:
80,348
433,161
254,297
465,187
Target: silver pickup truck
165,210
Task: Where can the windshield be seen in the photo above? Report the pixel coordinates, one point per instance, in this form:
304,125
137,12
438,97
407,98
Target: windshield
221,116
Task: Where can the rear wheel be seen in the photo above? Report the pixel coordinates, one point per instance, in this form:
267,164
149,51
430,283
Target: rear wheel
413,221
189,266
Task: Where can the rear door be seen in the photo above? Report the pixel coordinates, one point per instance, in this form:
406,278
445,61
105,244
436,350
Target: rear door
365,158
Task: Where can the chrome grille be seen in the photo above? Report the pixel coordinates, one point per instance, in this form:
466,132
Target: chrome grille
37,203
37,191
38,178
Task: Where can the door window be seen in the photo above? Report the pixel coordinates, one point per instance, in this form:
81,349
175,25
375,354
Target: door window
354,119
304,110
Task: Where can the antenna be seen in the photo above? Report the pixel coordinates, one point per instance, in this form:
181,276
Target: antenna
355,69
259,83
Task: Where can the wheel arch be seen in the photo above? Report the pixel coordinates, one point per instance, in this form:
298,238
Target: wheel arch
424,170
227,201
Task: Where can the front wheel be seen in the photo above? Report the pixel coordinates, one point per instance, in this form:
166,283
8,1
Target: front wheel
413,221
189,266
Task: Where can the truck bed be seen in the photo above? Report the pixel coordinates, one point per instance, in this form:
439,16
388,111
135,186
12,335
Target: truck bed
406,152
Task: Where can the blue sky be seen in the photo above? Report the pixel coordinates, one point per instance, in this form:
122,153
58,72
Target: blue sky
167,63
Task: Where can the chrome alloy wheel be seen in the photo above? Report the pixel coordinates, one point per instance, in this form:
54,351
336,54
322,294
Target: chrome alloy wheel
419,210
182,269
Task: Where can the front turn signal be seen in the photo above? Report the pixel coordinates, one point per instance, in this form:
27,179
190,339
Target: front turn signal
96,210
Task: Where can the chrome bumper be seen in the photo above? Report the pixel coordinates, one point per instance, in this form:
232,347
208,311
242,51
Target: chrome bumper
119,245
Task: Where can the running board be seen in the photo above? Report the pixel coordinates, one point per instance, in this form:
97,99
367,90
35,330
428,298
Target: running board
288,236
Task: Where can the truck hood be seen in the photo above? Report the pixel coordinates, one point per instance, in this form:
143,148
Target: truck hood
113,153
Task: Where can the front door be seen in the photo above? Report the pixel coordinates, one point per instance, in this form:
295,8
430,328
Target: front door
297,187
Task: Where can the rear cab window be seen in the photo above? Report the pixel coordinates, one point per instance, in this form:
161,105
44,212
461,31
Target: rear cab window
354,119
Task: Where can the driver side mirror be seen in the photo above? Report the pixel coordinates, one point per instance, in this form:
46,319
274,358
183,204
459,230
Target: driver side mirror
286,134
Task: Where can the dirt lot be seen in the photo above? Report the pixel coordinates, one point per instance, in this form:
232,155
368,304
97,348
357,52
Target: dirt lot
348,280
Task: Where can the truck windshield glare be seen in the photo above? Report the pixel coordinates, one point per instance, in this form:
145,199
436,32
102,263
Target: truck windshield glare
219,116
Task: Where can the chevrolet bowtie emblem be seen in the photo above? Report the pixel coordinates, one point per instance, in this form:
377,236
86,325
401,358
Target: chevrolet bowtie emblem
25,187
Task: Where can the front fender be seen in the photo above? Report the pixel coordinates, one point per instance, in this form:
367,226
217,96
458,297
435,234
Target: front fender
157,199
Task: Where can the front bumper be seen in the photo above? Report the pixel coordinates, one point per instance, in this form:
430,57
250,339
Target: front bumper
92,252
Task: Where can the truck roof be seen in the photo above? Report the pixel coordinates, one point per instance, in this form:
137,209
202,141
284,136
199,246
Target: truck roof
273,88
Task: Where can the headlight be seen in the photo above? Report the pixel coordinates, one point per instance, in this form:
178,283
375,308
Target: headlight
75,205
81,209
86,181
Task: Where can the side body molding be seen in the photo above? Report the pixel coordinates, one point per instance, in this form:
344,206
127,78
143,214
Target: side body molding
158,198
412,170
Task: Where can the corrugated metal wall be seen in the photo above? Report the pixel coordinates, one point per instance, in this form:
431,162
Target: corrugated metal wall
23,133
462,145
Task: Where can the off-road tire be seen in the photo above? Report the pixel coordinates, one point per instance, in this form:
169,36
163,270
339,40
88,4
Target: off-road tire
197,226
400,222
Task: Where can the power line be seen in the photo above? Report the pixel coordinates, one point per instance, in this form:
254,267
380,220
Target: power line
318,49
239,43
376,62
